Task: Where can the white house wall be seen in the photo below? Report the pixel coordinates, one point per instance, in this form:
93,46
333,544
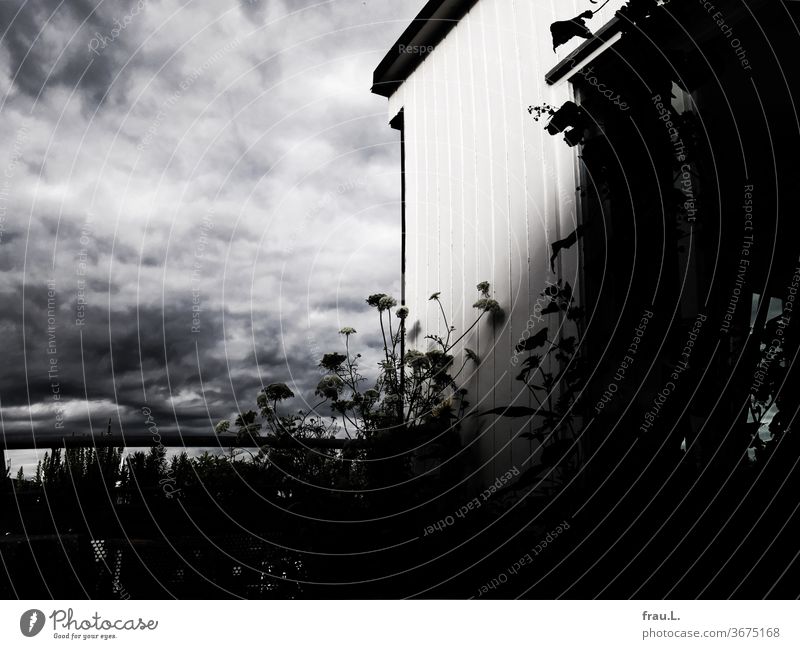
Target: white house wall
487,192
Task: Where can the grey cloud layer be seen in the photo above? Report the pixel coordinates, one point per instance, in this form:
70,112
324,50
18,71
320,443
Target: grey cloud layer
222,156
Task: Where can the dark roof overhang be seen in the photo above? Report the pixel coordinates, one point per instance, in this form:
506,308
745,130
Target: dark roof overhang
426,31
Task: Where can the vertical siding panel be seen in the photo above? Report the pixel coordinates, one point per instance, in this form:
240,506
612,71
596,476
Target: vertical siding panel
434,181
560,156
532,133
485,231
469,216
414,123
420,208
496,32
407,103
453,228
437,180
540,199
429,225
519,297
459,153
488,191
445,186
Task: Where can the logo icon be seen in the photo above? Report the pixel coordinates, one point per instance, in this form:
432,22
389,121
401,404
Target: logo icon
31,622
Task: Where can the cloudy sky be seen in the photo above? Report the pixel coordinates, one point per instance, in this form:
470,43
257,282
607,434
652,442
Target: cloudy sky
162,154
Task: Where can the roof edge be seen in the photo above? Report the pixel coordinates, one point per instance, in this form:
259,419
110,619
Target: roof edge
426,31
574,60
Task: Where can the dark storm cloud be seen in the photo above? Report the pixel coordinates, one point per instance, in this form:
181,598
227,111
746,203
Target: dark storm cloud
253,174
129,359
48,42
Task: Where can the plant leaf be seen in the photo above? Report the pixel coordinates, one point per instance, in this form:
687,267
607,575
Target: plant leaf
551,308
565,244
471,355
537,340
533,361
